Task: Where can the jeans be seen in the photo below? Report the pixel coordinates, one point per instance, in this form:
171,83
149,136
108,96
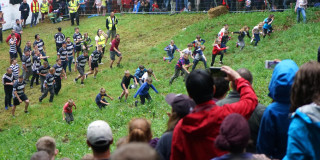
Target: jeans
196,4
257,39
170,56
69,63
150,3
177,74
144,97
166,4
214,57
45,93
8,95
303,12
195,62
185,4
173,6
64,65
74,16
34,18
109,6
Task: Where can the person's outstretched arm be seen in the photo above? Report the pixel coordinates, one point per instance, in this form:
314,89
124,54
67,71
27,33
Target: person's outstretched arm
154,88
139,90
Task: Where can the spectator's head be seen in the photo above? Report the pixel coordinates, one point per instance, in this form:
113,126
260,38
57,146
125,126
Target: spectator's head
41,155
234,134
102,91
76,29
306,86
127,73
172,42
221,87
149,80
190,46
244,73
139,130
52,70
282,80
24,1
17,21
181,106
37,36
117,37
13,61
59,29
186,56
200,86
47,144
12,35
112,14
87,157
141,67
20,79
68,39
45,64
58,61
135,151
9,70
99,138
155,2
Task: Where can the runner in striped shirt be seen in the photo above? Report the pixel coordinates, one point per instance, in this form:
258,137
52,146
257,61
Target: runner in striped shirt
81,63
57,76
26,65
19,95
77,38
59,38
41,47
48,85
70,52
63,55
15,69
7,81
42,72
93,61
13,46
28,46
36,65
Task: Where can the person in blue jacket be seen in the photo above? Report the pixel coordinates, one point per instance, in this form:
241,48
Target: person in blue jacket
303,135
267,27
170,49
143,92
139,73
272,137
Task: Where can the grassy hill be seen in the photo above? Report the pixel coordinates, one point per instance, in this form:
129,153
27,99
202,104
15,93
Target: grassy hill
143,38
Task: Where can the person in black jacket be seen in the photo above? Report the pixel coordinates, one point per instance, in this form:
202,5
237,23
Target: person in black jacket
24,9
242,33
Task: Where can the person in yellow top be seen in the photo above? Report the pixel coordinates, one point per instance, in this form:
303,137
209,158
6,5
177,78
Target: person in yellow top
101,40
44,7
111,24
73,9
35,12
104,7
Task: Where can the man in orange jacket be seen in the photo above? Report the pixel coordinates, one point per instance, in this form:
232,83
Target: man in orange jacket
35,12
194,135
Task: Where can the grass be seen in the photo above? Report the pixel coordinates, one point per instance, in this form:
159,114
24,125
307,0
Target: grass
143,38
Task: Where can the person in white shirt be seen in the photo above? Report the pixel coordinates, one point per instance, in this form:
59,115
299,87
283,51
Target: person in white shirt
187,51
147,74
301,7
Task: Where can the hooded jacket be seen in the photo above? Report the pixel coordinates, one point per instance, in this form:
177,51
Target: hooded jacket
272,138
304,137
194,135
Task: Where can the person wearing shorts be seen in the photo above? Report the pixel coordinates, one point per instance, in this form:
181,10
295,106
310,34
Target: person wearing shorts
81,63
111,24
19,95
114,51
77,37
93,61
125,84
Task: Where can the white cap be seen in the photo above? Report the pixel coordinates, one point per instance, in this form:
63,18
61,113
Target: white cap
99,133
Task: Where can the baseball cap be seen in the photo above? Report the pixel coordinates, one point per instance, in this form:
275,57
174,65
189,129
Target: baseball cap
99,133
181,104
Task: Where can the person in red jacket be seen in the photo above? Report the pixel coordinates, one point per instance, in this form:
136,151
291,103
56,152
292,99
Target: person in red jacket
35,12
194,135
217,51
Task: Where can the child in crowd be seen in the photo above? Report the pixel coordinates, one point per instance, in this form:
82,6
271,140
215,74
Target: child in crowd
48,85
15,69
100,100
248,5
143,92
199,56
256,31
125,84
187,51
224,40
223,30
86,42
182,65
267,27
139,73
242,33
217,50
170,49
155,7
148,74
198,39
67,111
